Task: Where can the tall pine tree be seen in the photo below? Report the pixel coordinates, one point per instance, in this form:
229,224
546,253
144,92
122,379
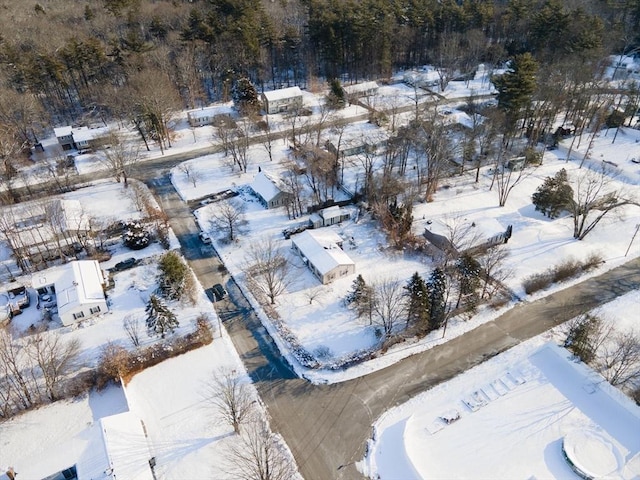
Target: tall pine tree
437,288
418,303
160,319
516,87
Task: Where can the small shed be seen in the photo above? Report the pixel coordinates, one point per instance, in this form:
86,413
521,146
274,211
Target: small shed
282,100
271,192
321,251
328,216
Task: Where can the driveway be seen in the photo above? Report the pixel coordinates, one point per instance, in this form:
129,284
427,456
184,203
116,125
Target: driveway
327,426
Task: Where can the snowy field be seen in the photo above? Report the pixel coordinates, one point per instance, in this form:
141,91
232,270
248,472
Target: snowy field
507,418
537,243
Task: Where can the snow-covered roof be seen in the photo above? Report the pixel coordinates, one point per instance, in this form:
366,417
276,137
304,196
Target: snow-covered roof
282,93
126,446
212,111
265,186
360,88
321,248
331,212
86,134
78,282
73,216
62,131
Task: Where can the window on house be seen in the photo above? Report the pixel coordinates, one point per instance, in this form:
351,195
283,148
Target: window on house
78,315
93,310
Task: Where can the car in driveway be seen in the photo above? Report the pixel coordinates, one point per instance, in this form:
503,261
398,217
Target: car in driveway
125,265
205,238
218,292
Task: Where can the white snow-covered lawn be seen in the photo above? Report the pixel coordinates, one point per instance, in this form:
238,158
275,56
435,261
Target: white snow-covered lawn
326,326
509,416
182,433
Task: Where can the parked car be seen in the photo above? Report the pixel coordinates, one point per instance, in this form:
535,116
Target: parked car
19,296
125,265
218,292
205,238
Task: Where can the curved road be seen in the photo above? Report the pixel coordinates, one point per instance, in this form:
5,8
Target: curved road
327,426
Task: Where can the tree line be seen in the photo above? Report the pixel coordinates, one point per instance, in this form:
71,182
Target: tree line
71,60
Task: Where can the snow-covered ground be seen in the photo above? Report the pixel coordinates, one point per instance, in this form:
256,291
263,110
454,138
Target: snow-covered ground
182,433
326,325
508,418
179,434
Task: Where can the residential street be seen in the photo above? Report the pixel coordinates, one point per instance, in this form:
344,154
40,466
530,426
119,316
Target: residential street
327,426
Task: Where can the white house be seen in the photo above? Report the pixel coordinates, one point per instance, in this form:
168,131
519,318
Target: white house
276,101
322,251
359,90
208,115
270,192
76,290
328,216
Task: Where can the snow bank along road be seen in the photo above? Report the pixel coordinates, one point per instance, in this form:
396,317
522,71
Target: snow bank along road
326,426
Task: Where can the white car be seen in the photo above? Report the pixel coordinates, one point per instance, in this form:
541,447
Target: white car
205,238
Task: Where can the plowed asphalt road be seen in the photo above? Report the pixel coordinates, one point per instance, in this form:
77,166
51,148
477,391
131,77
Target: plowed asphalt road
326,426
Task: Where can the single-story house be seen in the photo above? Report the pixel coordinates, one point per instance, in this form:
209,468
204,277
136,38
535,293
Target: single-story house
282,100
321,251
270,192
328,216
359,90
208,115
77,288
80,138
353,142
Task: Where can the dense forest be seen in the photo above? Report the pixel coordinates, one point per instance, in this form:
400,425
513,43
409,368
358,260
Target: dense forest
90,60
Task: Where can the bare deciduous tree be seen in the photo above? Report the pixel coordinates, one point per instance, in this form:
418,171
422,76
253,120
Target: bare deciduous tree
619,358
507,175
260,456
494,270
132,326
192,175
593,198
268,269
228,216
391,304
230,395
120,157
55,358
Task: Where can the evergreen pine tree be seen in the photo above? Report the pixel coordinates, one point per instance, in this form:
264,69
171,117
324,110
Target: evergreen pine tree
337,97
173,275
437,288
516,86
468,270
245,96
554,195
418,304
160,319
362,297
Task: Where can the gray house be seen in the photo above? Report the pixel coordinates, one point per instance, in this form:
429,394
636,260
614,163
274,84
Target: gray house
270,192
